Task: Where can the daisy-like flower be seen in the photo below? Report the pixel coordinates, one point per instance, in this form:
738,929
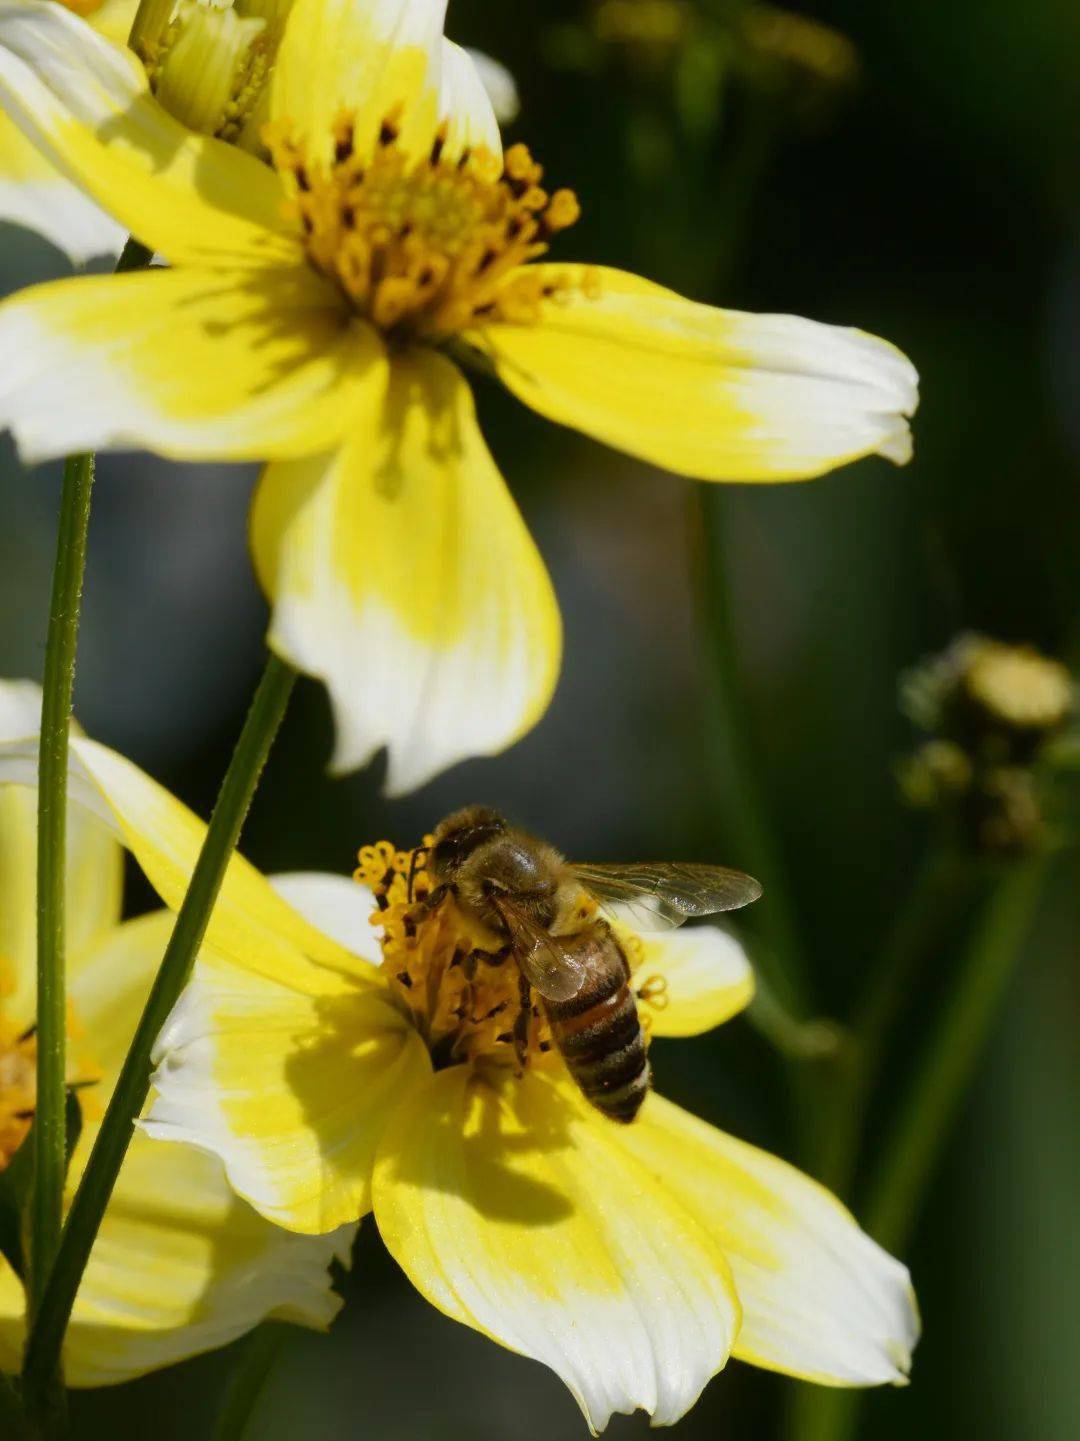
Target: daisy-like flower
633,1260
180,1265
315,316
332,1054
208,67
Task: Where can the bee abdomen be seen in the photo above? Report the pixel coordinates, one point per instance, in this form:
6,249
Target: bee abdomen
601,1042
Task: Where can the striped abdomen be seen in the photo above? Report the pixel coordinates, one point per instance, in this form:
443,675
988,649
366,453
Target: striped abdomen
599,1034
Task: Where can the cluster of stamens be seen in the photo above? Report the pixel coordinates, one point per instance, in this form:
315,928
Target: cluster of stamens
425,247
455,980
18,1090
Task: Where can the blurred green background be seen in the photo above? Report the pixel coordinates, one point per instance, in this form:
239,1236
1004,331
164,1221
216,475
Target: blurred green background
911,169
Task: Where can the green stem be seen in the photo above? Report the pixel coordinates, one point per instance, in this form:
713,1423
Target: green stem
92,1196
950,1061
46,1204
261,1353
943,1078
939,890
58,682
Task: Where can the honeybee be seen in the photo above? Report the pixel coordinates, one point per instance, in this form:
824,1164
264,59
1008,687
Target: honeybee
526,893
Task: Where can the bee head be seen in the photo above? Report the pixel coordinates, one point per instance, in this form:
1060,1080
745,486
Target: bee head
459,836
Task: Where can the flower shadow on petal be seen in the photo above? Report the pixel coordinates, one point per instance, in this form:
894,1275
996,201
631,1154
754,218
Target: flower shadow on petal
347,1073
489,1159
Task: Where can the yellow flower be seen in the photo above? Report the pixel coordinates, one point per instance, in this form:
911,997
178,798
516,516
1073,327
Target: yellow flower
208,68
331,1066
633,1260
180,1265
314,317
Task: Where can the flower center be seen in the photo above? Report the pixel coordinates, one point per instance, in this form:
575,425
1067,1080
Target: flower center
427,247
457,981
18,1089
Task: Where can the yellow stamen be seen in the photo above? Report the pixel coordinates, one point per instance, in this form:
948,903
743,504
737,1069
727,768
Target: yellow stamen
18,1089
424,247
455,981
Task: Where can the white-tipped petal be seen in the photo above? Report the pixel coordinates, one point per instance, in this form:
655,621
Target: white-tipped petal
515,1209
820,1299
713,394
401,574
289,1090
500,85
697,978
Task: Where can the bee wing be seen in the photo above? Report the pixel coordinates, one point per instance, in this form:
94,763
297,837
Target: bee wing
660,896
548,965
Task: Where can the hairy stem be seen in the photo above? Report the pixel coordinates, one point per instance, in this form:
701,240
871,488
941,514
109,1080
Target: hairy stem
88,1206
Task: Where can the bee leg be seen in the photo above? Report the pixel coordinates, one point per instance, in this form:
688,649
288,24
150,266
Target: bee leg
433,901
521,1025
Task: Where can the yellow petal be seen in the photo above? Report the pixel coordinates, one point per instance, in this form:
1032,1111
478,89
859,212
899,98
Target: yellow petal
250,924
188,363
377,61
35,195
290,1090
402,575
12,1323
820,1300
714,394
113,19
107,988
697,978
94,871
181,1266
517,1210
86,104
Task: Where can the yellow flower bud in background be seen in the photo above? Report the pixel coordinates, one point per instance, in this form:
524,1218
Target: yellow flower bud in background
990,709
209,61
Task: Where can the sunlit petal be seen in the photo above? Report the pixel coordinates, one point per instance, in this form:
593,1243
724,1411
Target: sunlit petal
517,1211
692,979
377,61
33,194
188,363
714,394
250,924
289,1090
820,1300
402,575
335,905
86,104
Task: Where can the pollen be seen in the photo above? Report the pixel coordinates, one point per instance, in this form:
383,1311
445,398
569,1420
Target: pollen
425,247
18,1090
457,984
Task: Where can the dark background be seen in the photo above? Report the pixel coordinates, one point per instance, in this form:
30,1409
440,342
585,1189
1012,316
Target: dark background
922,185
